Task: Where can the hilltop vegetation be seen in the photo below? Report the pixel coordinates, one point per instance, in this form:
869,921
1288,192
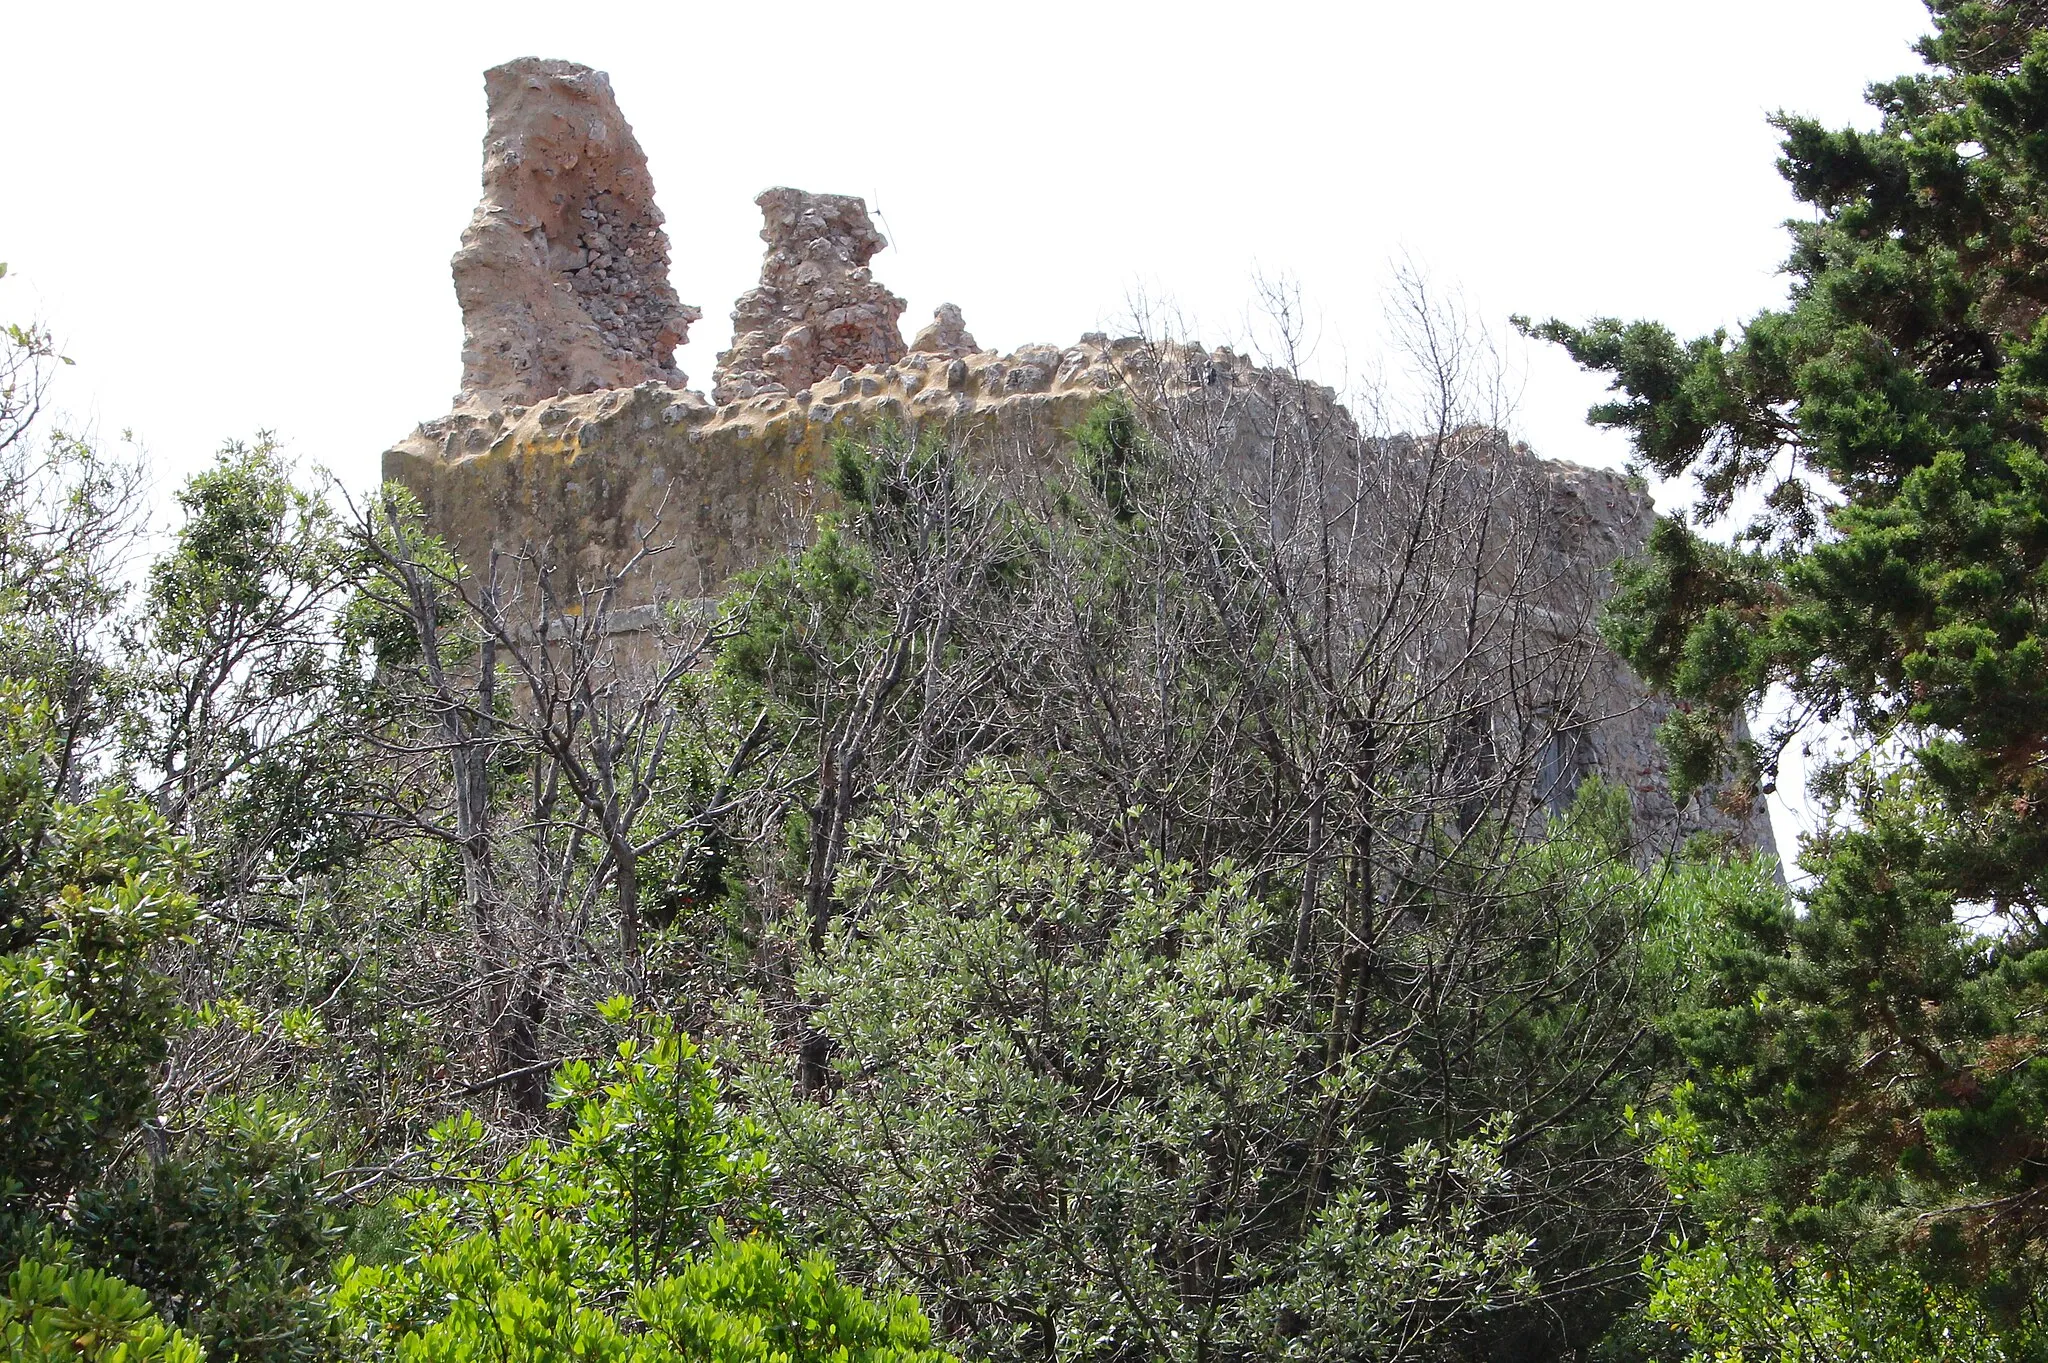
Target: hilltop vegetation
1149,911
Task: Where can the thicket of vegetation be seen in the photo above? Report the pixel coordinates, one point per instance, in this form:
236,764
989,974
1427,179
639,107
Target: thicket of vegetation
1146,909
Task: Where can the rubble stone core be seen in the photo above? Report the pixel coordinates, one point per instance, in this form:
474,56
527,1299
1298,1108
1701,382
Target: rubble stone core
818,308
563,270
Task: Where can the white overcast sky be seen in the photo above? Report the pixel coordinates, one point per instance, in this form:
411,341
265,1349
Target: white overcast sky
240,217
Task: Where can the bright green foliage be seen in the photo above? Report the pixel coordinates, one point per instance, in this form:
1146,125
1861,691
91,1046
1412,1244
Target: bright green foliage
747,1299
1733,1298
1695,900
87,892
56,1312
1880,1066
1736,1307
517,1297
613,1244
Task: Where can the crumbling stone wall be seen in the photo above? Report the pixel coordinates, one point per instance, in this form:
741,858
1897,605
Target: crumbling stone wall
818,308
577,481
563,271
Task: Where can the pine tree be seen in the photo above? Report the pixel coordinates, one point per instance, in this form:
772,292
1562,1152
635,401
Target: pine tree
1880,446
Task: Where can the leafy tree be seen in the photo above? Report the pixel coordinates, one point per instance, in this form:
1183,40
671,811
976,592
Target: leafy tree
1083,1109
87,893
225,1231
236,678
614,1244
1881,443
217,1224
1736,1303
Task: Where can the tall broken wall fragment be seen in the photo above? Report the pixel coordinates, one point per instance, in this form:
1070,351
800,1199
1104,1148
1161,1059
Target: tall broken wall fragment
563,271
818,308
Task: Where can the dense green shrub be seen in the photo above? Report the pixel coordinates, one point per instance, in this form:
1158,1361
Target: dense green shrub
55,1311
642,1236
87,892
1077,1108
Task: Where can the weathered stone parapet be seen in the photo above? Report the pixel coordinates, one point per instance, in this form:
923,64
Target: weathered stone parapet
573,478
576,479
818,308
563,271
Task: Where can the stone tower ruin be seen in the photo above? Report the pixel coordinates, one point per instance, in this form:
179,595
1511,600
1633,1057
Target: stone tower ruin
574,431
